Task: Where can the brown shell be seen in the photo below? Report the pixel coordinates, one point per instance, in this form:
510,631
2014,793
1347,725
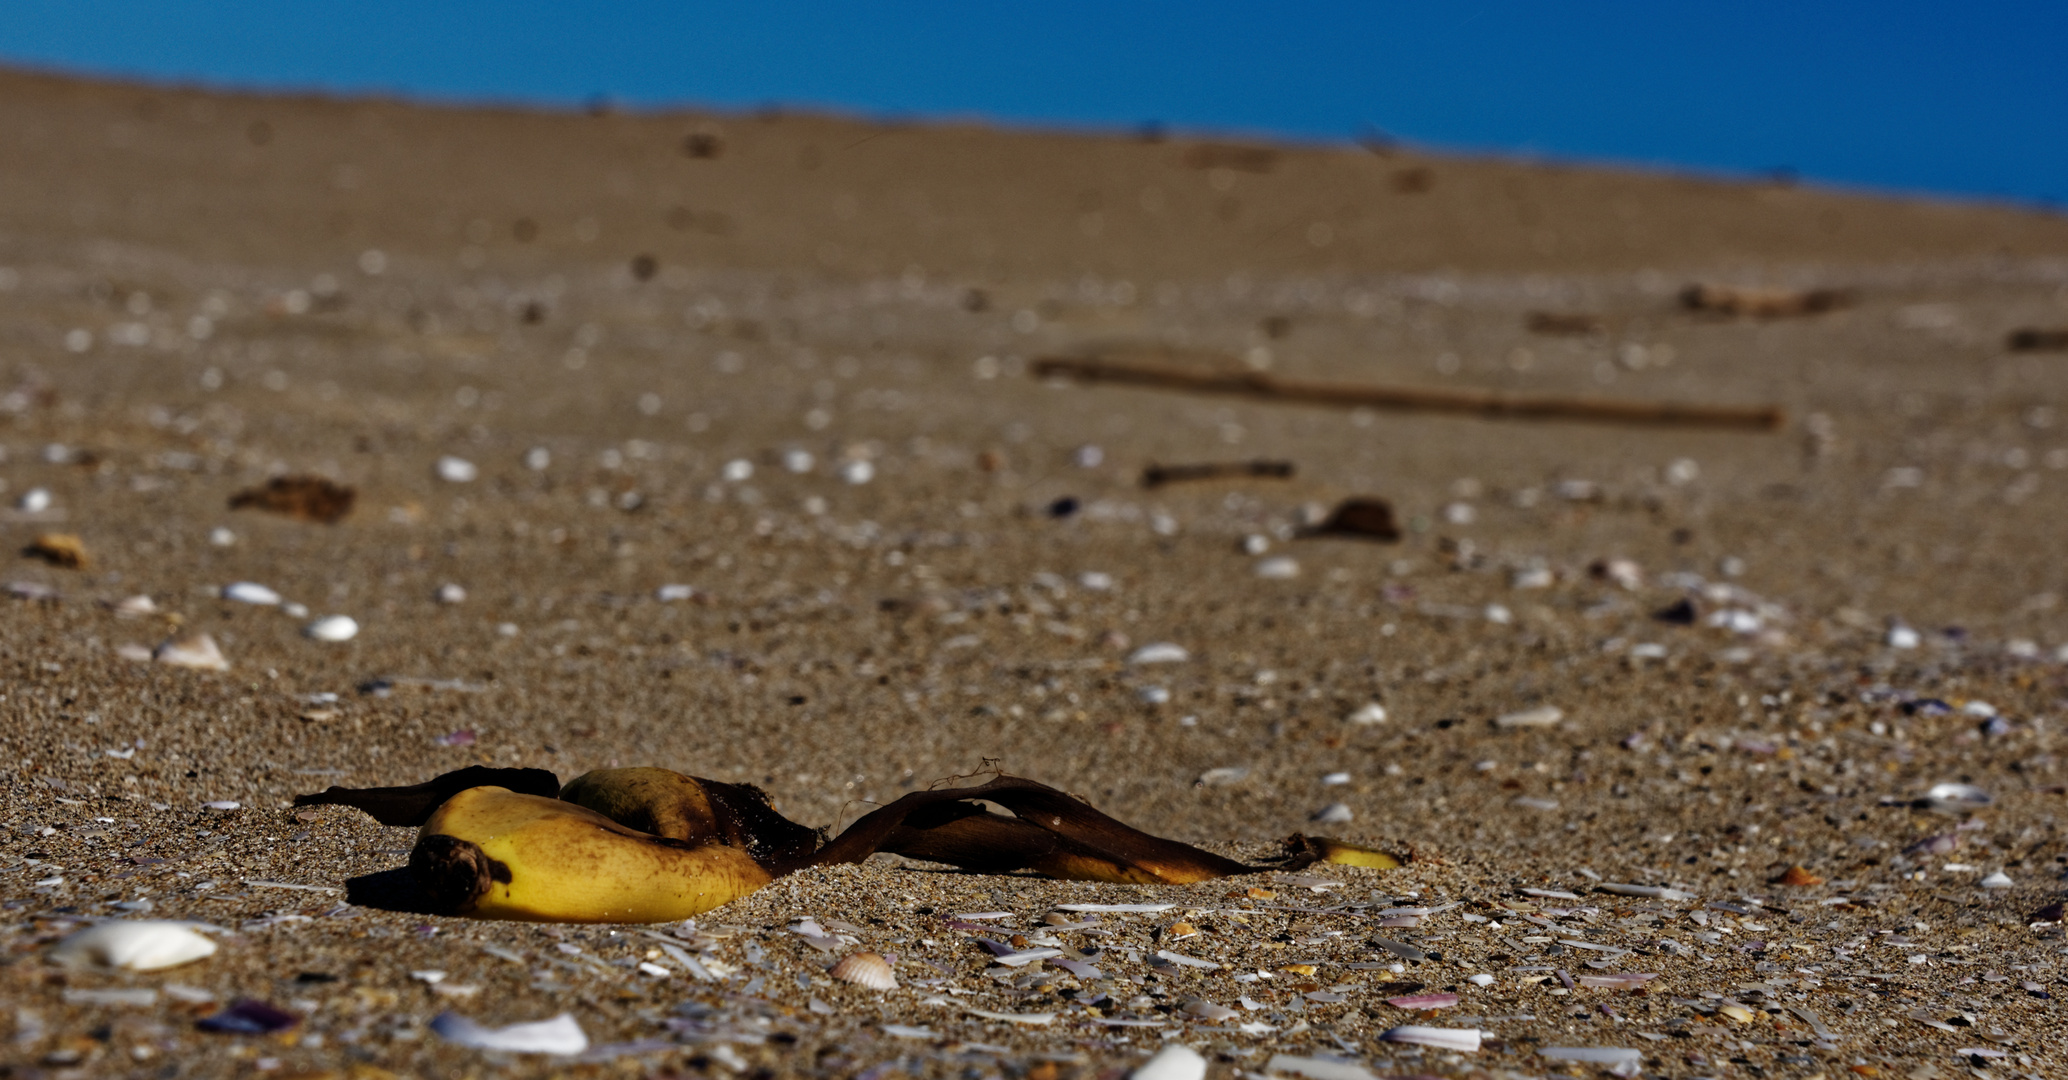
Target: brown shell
866,969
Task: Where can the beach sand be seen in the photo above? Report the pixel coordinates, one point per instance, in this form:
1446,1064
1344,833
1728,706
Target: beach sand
780,361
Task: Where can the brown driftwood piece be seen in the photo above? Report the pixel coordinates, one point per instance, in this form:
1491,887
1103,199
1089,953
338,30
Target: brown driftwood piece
1485,403
310,498
1158,475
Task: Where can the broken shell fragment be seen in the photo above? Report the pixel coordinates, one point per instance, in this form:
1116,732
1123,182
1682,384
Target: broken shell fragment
865,969
193,649
1370,712
1801,877
1334,813
251,592
450,593
1463,1040
1175,1061
1541,716
560,1035
332,628
1161,652
134,945
1954,798
457,470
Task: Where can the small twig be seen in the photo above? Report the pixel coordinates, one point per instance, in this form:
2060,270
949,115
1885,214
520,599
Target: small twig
1486,403
1158,475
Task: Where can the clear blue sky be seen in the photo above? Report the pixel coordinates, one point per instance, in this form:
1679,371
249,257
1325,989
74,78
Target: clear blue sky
1968,98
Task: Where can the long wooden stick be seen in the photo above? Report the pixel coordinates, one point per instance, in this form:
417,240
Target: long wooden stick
1486,403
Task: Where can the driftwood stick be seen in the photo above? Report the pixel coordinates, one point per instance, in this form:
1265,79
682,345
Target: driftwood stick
1486,403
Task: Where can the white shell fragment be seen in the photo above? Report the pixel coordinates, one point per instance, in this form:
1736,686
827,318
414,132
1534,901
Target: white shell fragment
1902,637
332,628
1370,712
33,501
132,607
1334,813
858,472
865,969
1953,798
1175,1061
1594,1055
1278,568
1541,716
1317,1068
251,592
1650,892
1464,1040
193,649
669,594
559,1035
134,945
450,593
1997,880
457,470
1159,652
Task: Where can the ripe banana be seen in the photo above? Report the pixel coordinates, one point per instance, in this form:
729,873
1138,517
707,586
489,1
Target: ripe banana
492,853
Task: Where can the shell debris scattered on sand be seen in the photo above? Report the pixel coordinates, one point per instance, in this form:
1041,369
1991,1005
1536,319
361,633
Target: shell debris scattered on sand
333,628
561,1035
865,969
134,945
193,649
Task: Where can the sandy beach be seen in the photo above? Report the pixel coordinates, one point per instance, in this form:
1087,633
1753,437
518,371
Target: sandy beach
710,442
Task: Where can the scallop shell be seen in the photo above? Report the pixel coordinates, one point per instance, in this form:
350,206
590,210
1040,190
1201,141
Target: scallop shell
134,945
866,969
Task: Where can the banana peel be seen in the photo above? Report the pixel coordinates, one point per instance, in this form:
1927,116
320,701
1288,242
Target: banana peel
654,845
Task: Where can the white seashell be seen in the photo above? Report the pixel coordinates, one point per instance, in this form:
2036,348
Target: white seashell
1095,580
1464,1040
1153,695
251,592
332,628
294,611
1253,544
798,461
33,501
1499,615
222,537
738,469
1335,779
193,649
858,472
1161,652
865,969
668,594
450,593
1997,880
1481,979
1460,513
1902,637
1226,774
1651,892
131,607
1334,813
559,1035
1207,1010
134,945
538,459
1370,712
1541,716
1280,568
1175,1061
224,805
457,470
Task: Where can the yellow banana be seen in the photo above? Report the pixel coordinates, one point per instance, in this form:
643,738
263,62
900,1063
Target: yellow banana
495,854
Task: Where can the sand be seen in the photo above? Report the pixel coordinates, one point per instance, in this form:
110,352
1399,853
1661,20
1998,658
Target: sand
669,363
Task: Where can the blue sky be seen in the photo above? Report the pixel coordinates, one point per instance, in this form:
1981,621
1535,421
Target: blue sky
1968,99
